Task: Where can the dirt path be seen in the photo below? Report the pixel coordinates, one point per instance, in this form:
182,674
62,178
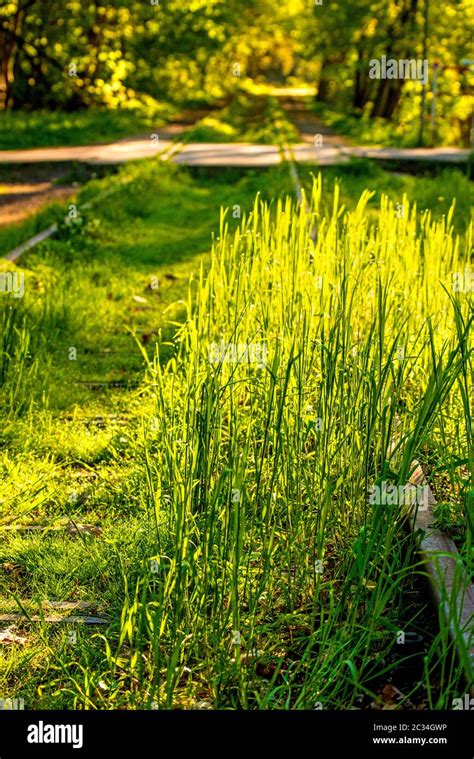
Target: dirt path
26,189
332,152
19,200
309,125
30,177
319,144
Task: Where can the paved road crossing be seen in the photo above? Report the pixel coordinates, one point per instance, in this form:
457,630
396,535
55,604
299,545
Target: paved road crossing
223,154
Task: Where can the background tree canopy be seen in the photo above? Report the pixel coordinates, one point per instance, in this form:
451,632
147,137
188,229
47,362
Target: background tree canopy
129,53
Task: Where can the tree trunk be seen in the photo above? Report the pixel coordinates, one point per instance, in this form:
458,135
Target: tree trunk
389,90
324,79
387,98
361,81
393,98
8,48
7,61
323,84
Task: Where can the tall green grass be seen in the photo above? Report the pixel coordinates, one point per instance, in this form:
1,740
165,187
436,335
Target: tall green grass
274,581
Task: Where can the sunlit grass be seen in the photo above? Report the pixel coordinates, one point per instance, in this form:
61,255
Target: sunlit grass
261,473
24,129
241,562
254,118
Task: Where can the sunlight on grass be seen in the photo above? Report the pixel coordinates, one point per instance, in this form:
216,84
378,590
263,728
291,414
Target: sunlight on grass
254,395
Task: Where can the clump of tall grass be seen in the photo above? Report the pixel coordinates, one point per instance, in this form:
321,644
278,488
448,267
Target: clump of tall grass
275,582
29,328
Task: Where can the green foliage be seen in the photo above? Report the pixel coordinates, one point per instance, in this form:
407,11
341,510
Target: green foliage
248,118
434,193
156,461
349,36
126,54
31,129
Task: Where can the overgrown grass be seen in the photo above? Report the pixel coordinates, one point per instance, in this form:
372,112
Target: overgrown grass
248,118
114,269
262,468
435,193
363,129
35,129
242,563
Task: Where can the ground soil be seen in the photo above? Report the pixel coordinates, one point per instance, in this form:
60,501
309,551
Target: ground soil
309,125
